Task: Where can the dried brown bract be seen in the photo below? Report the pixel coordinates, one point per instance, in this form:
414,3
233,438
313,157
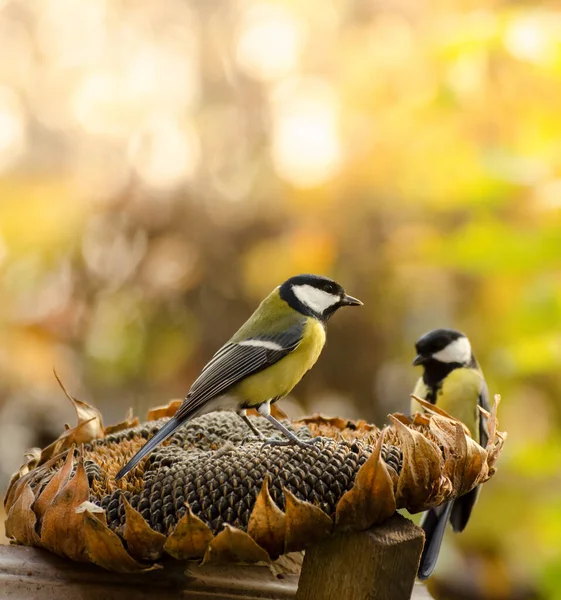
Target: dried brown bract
209,494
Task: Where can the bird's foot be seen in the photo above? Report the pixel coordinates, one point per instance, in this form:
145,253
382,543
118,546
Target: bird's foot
291,442
250,439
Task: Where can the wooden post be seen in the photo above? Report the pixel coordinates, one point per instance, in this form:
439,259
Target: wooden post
378,564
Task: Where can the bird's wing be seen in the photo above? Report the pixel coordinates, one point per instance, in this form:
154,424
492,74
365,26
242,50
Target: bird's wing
236,361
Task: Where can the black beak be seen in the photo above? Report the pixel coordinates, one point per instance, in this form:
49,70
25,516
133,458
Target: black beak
350,301
419,360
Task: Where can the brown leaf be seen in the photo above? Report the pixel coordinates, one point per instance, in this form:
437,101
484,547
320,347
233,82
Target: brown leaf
420,479
81,434
403,418
105,549
21,520
32,477
496,438
434,409
159,412
31,458
90,423
492,422
421,419
267,522
143,543
130,421
62,528
305,523
234,545
465,460
371,500
189,539
59,480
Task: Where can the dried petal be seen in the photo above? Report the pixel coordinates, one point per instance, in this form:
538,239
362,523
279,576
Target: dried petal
371,499
130,421
17,483
143,543
57,482
86,415
189,539
105,549
305,523
403,418
434,409
20,523
159,412
420,479
62,528
91,508
267,522
465,459
234,545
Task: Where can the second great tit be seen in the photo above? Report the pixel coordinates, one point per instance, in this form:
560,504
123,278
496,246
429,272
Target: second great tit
264,359
452,379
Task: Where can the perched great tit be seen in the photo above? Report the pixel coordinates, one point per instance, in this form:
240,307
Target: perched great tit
264,359
453,380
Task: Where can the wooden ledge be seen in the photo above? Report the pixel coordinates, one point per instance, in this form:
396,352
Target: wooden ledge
35,574
378,564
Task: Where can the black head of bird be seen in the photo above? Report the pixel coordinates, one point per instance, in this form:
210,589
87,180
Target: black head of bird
446,346
315,296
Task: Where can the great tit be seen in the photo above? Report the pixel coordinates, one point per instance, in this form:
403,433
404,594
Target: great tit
264,359
453,380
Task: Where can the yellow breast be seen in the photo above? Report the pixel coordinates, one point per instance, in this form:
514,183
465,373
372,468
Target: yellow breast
458,396
279,379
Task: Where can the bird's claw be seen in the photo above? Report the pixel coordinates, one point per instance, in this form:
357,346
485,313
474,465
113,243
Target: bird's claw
250,439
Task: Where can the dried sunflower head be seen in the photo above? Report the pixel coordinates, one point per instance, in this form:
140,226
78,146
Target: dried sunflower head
207,494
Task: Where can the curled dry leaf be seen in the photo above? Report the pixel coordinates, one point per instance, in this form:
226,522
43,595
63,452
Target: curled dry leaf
159,412
104,547
62,527
371,500
189,539
305,523
143,543
207,494
234,545
421,479
20,523
267,523
58,481
130,421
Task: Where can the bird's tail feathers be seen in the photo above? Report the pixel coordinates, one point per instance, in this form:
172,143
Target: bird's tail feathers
462,510
434,525
166,431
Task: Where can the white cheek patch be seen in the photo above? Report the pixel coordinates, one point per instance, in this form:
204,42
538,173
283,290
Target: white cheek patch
458,351
261,344
318,300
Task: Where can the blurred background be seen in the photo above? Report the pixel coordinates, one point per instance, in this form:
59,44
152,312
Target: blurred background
164,165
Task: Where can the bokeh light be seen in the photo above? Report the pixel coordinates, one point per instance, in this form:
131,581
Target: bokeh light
306,144
13,128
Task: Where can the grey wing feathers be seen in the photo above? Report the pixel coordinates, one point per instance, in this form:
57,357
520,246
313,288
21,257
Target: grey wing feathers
236,361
